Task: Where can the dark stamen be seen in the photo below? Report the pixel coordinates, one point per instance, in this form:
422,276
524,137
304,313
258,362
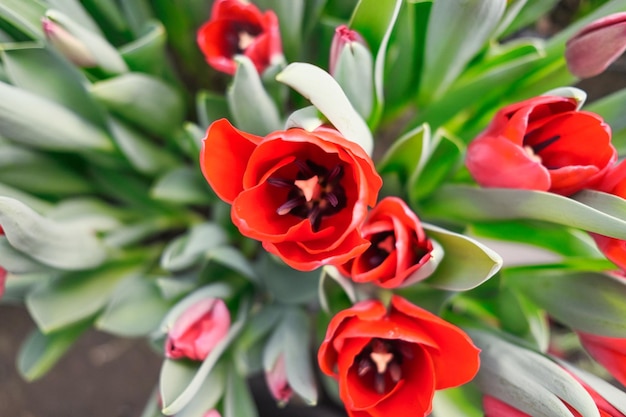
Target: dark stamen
544,144
290,205
279,182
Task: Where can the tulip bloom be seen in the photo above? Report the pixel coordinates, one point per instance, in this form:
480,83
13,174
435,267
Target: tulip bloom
596,46
303,194
198,330
399,247
543,144
238,27
276,379
390,362
610,352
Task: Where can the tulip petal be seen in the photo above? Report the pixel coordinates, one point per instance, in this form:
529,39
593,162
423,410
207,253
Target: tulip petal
608,351
224,157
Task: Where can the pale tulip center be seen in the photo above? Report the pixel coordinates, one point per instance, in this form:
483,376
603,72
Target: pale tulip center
380,363
245,40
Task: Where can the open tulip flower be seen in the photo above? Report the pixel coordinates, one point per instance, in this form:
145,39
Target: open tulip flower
239,27
391,361
542,143
399,247
303,194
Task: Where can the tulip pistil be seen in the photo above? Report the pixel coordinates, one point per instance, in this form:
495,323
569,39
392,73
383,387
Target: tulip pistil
315,193
380,363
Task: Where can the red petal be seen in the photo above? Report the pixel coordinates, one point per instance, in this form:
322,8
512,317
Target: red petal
224,158
610,352
613,249
495,408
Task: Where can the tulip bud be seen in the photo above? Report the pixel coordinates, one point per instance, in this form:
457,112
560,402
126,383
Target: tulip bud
276,379
352,65
596,46
212,413
67,44
198,330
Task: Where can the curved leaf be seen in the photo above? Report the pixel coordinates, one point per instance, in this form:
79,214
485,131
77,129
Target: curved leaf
186,250
325,93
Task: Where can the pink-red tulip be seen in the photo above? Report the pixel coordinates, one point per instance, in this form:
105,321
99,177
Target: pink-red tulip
590,51
389,362
544,144
198,330
238,27
399,248
344,37
276,379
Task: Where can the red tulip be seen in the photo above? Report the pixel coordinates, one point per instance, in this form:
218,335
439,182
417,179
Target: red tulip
399,247
543,144
198,330
303,194
390,362
596,46
276,380
212,413
238,27
610,352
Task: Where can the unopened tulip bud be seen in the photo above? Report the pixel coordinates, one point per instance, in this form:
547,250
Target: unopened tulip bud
68,45
212,413
344,36
276,379
198,330
596,46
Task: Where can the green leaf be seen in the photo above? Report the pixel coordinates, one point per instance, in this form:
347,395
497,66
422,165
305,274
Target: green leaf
354,73
136,309
144,155
456,402
287,284
527,380
250,105
530,12
74,10
290,15
187,250
613,395
144,100
182,185
25,16
443,157
89,213
585,301
208,395
347,286
296,343
255,330
326,95
107,57
307,118
36,173
52,243
176,395
238,400
61,82
407,154
611,108
466,263
76,296
17,262
233,259
147,53
211,107
375,20
457,30
469,204
34,121
40,352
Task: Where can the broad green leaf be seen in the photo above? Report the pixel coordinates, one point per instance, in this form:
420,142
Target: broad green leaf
408,153
52,243
107,57
257,328
466,203
108,14
75,296
612,108
287,284
232,258
137,13
354,73
136,309
182,185
75,11
613,395
375,20
527,380
143,154
326,95
147,53
17,262
25,16
89,213
290,15
346,285
250,105
562,240
34,121
208,395
307,118
466,263
589,302
457,402
175,287
524,319
443,157
61,82
529,13
37,204
187,250
210,107
37,173
176,396
144,100
238,400
40,352
457,31
296,343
